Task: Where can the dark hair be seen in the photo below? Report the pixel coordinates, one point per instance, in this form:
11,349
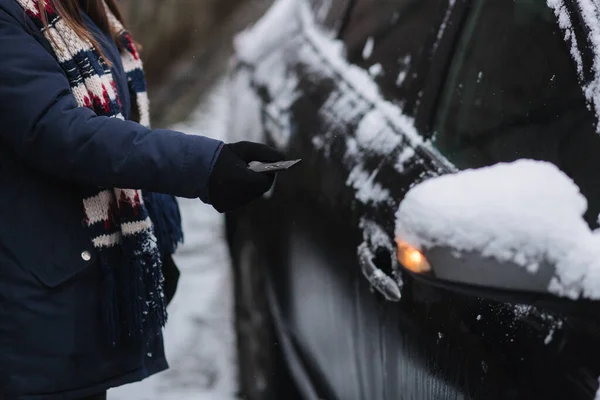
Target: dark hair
70,12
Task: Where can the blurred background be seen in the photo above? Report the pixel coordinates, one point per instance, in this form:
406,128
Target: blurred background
186,47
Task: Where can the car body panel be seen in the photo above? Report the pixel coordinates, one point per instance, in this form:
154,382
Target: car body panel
433,343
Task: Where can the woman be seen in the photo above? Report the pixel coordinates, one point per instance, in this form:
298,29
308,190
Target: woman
82,301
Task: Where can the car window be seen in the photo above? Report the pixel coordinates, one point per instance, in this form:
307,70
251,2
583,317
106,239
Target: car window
330,13
390,38
512,92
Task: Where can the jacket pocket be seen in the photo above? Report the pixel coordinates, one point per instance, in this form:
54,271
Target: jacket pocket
67,265
42,232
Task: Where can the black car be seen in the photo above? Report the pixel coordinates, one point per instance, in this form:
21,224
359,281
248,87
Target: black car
375,97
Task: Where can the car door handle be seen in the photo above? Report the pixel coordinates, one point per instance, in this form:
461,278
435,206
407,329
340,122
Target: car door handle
379,280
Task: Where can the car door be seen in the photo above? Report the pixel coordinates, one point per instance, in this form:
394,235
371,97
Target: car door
510,91
402,348
401,353
316,301
364,142
432,343
349,119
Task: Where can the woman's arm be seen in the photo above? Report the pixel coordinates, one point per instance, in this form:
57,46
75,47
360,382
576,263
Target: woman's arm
41,122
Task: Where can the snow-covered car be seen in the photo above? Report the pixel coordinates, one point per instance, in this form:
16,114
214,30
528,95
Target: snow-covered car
439,239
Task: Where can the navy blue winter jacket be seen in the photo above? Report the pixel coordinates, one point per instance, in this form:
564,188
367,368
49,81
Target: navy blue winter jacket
51,342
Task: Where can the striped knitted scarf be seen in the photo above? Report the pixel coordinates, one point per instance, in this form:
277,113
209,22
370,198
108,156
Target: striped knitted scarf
119,222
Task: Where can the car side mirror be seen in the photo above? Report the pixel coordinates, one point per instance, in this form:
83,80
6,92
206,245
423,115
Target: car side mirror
513,232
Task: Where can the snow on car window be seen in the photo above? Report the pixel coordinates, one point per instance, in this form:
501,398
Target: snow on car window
251,45
403,158
323,10
403,68
375,70
368,49
377,131
444,23
591,17
374,133
360,80
319,50
524,212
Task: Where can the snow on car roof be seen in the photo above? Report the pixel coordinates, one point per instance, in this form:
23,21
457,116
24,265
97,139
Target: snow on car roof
590,13
525,212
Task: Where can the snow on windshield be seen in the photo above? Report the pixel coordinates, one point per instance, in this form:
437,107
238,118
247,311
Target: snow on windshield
525,212
591,16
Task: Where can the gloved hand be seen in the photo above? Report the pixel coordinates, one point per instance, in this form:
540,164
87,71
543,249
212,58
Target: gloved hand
232,184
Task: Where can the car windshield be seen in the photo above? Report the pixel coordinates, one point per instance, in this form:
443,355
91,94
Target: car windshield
512,92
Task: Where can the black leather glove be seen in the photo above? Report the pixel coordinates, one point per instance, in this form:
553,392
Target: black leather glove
232,184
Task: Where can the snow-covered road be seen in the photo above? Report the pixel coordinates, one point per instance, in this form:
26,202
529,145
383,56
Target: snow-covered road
199,338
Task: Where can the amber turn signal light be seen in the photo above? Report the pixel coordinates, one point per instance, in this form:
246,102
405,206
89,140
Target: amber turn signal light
411,258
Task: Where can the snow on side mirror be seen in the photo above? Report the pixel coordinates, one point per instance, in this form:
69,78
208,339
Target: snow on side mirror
511,228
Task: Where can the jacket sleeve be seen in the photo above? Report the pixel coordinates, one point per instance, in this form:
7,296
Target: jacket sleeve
41,122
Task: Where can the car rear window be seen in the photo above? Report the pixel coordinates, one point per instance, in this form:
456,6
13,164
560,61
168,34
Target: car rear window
512,92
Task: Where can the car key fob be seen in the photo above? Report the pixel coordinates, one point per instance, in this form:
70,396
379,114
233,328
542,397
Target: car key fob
272,167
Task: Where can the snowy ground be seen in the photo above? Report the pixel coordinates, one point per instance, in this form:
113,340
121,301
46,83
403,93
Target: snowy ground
199,338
